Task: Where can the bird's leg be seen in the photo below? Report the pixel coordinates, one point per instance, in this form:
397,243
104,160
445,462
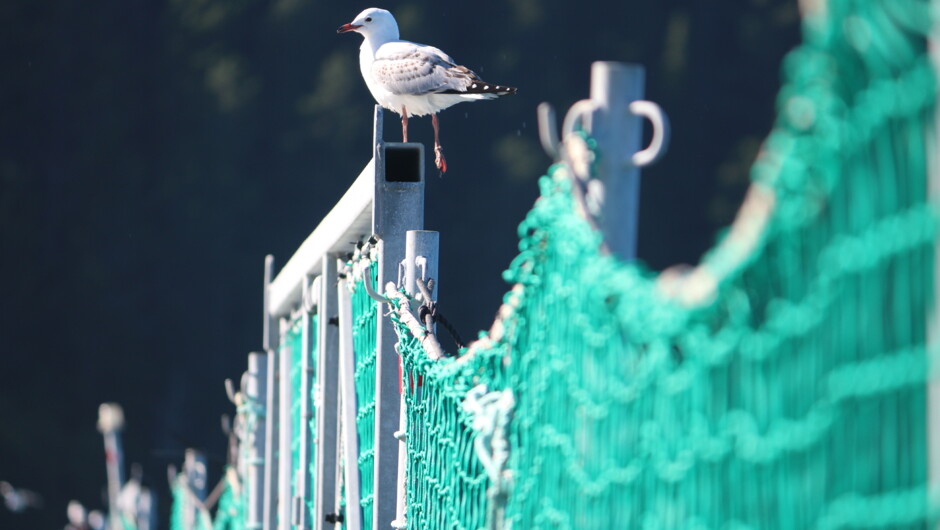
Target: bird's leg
439,160
404,124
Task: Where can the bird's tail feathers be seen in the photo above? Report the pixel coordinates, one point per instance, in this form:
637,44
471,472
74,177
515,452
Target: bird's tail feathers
484,90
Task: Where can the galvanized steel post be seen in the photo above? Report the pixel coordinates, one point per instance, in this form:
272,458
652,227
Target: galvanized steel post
271,404
347,367
613,87
285,433
327,394
617,125
398,207
110,424
255,392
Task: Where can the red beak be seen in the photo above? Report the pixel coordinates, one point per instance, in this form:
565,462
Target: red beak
346,28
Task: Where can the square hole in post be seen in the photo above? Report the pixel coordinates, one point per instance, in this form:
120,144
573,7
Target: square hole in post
402,163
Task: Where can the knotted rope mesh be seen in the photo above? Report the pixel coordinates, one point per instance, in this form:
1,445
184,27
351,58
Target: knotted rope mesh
230,513
188,512
364,322
781,383
293,345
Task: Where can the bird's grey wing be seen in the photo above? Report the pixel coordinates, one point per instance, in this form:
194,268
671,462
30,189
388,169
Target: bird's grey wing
405,68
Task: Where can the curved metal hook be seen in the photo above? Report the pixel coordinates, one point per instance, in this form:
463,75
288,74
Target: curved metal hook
230,391
548,129
368,285
579,112
660,141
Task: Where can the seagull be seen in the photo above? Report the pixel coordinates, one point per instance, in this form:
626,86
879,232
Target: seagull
414,79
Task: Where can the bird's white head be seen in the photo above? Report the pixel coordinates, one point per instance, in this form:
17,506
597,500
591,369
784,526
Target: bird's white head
374,24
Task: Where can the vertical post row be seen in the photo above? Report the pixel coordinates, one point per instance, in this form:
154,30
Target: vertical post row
327,394
285,428
398,206
255,392
271,405
618,133
347,367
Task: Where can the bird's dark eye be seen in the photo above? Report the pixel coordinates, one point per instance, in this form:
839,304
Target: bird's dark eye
368,19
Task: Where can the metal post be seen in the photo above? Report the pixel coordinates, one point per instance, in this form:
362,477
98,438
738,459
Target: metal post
347,366
255,393
270,331
195,480
269,340
285,428
271,445
340,472
110,424
398,207
301,515
146,510
618,133
327,394
421,261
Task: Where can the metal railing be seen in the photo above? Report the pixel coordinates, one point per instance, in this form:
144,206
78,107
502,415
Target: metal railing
381,206
383,212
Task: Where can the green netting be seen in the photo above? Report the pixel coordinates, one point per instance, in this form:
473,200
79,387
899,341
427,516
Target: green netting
364,322
445,483
187,512
294,345
779,384
230,513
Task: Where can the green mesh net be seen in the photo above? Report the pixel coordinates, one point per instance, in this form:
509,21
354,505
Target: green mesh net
364,326
781,383
294,345
230,513
187,512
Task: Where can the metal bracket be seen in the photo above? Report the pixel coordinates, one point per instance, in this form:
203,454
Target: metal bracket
368,285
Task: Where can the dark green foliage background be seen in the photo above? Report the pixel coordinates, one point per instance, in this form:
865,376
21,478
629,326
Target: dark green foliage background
152,152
